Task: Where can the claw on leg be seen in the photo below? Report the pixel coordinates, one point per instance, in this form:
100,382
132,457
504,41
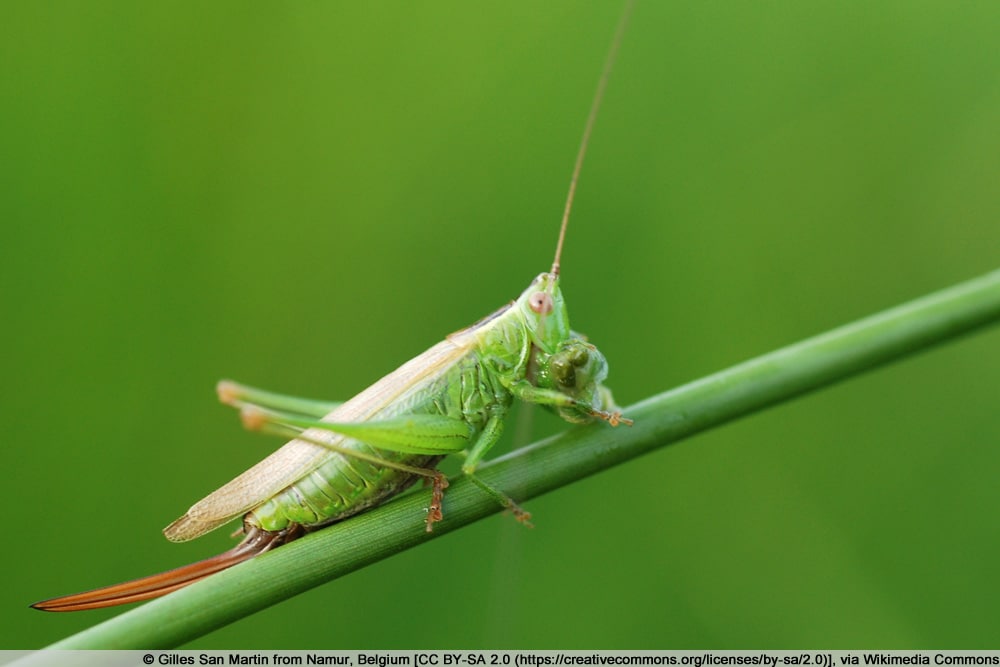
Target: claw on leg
522,516
613,418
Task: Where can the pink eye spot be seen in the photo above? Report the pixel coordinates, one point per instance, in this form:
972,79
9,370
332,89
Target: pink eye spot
541,303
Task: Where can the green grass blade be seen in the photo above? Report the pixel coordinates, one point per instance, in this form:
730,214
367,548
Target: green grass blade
547,465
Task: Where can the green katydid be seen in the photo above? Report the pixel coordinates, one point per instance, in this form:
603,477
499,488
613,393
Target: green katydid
345,458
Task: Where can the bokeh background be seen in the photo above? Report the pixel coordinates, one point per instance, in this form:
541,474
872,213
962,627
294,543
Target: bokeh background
304,195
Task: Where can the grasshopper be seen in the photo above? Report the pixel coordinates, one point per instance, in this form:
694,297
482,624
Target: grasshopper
345,458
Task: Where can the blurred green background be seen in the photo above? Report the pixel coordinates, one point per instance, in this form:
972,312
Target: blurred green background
304,195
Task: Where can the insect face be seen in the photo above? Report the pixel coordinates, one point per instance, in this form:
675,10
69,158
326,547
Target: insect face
544,312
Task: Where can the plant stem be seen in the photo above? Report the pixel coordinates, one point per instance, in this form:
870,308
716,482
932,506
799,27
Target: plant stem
549,464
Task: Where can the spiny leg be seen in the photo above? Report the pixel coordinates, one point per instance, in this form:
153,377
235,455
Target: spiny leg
257,419
434,514
417,434
433,435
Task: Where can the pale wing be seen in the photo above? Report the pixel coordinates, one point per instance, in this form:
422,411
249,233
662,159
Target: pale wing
297,458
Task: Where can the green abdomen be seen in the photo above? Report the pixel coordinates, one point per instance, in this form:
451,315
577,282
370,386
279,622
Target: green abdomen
337,489
344,485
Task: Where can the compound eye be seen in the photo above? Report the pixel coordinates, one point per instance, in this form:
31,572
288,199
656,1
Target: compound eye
541,303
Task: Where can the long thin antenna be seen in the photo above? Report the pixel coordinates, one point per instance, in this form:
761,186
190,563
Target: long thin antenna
594,107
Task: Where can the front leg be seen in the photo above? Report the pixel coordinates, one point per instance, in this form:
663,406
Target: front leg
529,393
